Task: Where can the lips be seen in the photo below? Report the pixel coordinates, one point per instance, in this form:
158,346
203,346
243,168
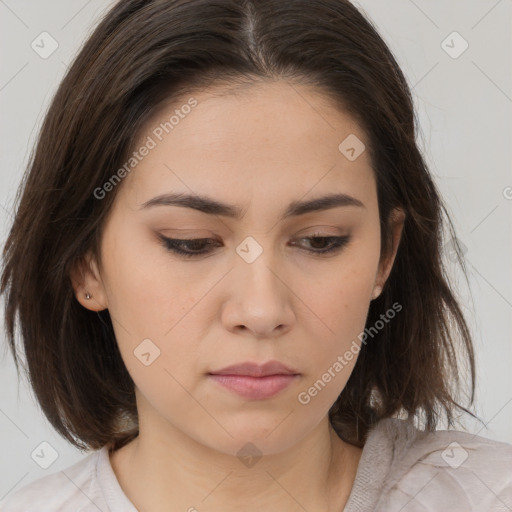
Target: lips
254,388
251,369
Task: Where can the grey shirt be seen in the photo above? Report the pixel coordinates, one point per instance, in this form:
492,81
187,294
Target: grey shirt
401,469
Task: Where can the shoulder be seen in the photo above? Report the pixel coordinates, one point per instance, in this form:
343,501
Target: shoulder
74,488
444,470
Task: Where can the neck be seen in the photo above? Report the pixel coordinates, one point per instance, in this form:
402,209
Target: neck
164,469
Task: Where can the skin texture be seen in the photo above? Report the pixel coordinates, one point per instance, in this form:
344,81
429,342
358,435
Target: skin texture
259,149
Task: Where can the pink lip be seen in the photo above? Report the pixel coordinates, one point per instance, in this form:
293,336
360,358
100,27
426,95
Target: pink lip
255,388
256,370
253,381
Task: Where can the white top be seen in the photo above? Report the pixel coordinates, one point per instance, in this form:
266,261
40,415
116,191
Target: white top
401,470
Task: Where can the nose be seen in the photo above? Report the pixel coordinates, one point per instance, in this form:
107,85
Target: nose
259,300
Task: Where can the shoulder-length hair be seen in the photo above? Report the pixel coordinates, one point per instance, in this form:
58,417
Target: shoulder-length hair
145,52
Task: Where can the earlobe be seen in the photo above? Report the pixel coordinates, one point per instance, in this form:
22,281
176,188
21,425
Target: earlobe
87,284
376,291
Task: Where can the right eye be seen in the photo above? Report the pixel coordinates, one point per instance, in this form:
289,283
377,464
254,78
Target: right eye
188,247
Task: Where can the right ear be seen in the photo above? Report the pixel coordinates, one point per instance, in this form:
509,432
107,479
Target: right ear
86,280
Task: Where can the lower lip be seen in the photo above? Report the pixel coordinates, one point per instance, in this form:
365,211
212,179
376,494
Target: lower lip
255,388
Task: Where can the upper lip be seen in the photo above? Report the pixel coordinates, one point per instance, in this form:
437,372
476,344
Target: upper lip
256,370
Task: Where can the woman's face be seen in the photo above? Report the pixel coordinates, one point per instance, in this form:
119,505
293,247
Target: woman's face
262,290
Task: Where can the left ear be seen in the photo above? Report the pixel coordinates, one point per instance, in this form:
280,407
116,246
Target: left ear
395,227
86,279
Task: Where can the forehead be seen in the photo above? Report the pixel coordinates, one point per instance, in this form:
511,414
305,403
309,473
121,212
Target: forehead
269,140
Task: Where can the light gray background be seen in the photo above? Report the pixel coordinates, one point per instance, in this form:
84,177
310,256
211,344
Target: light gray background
464,107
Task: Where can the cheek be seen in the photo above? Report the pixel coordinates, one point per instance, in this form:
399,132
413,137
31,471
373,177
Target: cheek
343,309
151,306
146,293
342,298
347,307
341,301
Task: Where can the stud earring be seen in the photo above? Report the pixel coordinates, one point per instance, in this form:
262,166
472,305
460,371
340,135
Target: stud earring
87,296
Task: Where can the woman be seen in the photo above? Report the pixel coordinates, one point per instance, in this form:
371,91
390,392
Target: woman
232,288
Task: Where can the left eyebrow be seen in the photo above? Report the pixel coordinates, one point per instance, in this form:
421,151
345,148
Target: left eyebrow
213,207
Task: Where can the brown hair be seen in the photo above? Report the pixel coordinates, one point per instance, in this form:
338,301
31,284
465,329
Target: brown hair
148,51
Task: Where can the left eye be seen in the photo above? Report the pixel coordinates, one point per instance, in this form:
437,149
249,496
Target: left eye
201,246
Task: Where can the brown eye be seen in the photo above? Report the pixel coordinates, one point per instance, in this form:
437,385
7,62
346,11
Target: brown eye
188,247
326,244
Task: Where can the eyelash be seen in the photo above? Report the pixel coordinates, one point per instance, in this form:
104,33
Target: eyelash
173,245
